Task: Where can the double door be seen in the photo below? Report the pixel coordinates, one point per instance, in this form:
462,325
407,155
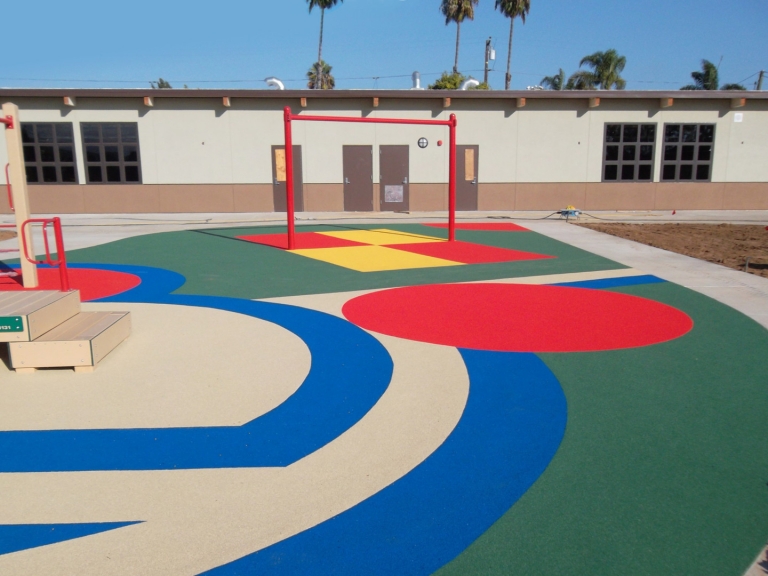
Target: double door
394,191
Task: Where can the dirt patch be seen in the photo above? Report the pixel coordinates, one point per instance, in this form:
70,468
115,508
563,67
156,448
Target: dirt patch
5,235
726,244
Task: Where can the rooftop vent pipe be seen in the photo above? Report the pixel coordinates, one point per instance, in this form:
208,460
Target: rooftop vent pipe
471,83
416,81
272,81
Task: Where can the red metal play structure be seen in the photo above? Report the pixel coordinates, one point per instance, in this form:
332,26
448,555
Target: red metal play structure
290,117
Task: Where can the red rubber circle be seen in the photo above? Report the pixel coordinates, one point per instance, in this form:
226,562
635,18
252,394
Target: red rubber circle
518,317
92,283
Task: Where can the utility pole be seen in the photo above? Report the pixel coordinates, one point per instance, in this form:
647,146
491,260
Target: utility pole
487,59
760,80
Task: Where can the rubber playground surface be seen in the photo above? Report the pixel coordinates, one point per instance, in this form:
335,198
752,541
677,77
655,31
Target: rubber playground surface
381,401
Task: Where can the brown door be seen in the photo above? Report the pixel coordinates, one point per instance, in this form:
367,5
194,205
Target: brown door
393,165
467,163
278,179
358,178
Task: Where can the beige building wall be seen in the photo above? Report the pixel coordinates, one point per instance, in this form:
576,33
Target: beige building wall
198,155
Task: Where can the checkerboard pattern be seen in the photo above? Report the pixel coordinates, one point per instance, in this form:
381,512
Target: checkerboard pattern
383,250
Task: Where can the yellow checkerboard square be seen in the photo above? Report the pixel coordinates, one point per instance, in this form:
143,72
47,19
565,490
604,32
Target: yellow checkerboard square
382,237
373,258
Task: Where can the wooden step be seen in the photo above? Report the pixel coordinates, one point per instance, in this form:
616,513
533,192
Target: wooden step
27,315
81,342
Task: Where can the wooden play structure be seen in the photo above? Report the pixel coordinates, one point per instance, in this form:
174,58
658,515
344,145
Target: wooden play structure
46,328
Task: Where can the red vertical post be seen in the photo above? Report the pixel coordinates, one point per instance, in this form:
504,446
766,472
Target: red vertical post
61,255
452,181
289,177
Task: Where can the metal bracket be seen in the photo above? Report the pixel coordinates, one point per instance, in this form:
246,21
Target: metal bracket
8,121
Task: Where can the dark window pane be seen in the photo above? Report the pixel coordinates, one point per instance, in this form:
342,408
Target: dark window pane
46,154
628,172
702,172
645,172
66,154
670,153
706,133
94,173
669,172
131,173
68,174
629,153
64,133
27,133
648,133
687,153
109,133
129,133
672,133
111,154
91,133
113,173
705,152
44,133
29,154
92,154
646,152
630,133
31,174
611,172
613,133
686,171
49,174
690,132
131,153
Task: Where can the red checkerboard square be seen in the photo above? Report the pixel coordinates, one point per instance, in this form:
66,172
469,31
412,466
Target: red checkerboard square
304,240
469,253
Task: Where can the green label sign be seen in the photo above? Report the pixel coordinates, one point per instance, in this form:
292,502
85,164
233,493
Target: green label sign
11,324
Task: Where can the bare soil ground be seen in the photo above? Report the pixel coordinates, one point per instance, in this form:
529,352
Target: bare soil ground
6,235
726,244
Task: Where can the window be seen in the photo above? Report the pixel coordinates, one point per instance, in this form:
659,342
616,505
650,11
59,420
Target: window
688,152
111,153
629,152
49,153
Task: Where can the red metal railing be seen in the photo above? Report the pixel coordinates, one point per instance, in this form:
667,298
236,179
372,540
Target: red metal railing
61,261
289,117
8,184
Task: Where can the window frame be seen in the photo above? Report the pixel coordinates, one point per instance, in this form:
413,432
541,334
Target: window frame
695,162
620,162
57,163
103,164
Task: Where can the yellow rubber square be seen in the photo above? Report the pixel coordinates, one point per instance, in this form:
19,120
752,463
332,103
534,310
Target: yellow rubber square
382,237
373,258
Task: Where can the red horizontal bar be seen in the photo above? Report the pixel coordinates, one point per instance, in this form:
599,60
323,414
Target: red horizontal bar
370,120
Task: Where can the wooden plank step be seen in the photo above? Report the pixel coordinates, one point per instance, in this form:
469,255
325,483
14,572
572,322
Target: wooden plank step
27,315
81,342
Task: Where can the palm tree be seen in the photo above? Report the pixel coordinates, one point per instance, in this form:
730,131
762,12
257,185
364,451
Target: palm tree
708,79
582,80
323,5
512,9
556,82
457,11
320,77
606,71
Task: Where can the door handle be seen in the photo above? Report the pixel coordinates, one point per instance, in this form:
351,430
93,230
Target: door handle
405,180
346,180
474,182
277,182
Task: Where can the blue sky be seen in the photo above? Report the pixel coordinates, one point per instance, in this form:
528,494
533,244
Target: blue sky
211,44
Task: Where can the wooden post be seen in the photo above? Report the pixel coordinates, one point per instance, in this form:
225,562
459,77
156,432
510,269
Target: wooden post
20,194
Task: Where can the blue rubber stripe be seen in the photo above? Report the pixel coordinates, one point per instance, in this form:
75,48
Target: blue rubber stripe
350,371
511,428
614,282
17,537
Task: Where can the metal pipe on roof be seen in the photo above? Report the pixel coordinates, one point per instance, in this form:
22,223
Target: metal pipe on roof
416,81
471,83
272,81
